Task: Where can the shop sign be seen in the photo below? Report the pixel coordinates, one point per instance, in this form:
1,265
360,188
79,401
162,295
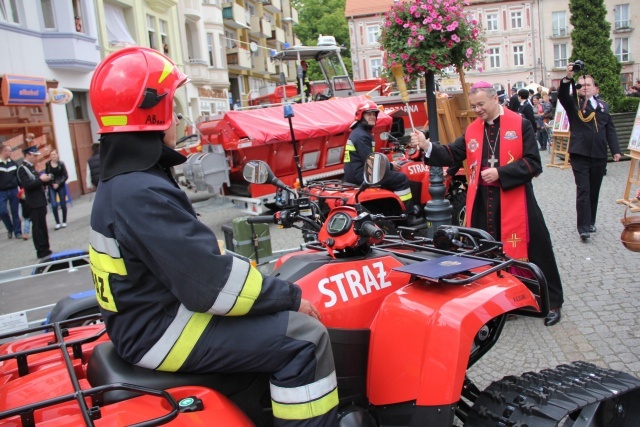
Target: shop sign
60,95
23,90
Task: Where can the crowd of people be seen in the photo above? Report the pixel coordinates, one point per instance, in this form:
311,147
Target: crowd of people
26,191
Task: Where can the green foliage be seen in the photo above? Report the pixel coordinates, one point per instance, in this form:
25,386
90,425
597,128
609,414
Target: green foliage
591,43
324,17
627,104
431,35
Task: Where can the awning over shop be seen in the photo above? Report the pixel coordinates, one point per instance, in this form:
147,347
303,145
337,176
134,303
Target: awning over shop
23,90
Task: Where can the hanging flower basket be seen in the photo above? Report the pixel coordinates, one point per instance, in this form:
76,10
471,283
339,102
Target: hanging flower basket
430,35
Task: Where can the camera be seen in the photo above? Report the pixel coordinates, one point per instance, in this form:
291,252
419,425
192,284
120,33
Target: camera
578,65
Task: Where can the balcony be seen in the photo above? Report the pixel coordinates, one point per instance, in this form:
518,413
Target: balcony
623,26
559,32
233,15
211,13
192,10
73,52
273,6
260,27
239,58
198,71
161,6
290,14
258,65
278,35
271,66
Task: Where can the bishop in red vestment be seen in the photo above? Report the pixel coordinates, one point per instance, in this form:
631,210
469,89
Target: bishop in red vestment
502,156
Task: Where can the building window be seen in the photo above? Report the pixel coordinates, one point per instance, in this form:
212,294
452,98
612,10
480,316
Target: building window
494,57
77,108
520,85
117,29
492,22
376,66
621,16
47,15
77,15
9,11
151,30
212,62
518,55
516,19
560,55
230,39
373,31
164,38
622,49
559,20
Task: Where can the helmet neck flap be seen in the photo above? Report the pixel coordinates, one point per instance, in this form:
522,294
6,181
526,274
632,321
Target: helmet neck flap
125,152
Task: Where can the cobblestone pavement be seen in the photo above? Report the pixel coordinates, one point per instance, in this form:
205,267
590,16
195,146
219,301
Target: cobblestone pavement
600,318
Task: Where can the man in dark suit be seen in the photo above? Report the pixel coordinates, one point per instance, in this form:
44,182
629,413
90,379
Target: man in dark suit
592,129
34,185
514,102
525,109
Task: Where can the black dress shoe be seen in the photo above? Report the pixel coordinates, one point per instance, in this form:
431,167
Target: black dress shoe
553,317
584,236
592,229
10,235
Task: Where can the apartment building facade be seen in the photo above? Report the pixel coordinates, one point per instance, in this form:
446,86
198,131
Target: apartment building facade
527,41
48,44
224,47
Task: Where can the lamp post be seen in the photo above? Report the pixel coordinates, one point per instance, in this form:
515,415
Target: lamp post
438,209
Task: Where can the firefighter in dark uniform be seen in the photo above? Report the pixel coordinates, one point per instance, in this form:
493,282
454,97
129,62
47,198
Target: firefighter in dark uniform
360,145
170,300
34,193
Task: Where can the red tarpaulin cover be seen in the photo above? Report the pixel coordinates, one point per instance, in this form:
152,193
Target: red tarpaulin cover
311,120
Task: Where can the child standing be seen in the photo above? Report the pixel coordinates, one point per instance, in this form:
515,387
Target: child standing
26,217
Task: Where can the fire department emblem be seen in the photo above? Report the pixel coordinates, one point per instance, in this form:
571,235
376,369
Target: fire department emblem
510,135
449,263
473,145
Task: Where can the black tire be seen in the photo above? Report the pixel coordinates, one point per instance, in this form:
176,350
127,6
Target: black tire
621,411
458,200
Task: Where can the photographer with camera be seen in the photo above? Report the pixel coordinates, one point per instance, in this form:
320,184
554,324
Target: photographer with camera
592,129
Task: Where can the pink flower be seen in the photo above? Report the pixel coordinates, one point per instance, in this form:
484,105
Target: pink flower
393,56
455,38
399,21
469,52
420,37
409,41
413,9
404,56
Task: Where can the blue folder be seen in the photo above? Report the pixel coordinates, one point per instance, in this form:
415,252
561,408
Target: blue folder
437,268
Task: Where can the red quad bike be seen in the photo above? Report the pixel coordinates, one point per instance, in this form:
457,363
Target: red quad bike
407,317
377,200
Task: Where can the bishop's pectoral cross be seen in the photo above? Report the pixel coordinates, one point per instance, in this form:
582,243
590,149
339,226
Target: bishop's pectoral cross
492,160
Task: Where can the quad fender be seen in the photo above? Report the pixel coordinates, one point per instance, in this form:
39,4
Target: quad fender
423,335
347,292
74,305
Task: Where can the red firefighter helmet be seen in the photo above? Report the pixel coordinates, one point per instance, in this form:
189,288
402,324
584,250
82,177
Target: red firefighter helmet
132,90
367,106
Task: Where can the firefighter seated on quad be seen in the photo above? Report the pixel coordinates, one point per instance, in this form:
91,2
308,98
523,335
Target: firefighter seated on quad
170,300
360,145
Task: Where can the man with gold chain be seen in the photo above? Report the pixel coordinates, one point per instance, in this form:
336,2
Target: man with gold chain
502,154
592,129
